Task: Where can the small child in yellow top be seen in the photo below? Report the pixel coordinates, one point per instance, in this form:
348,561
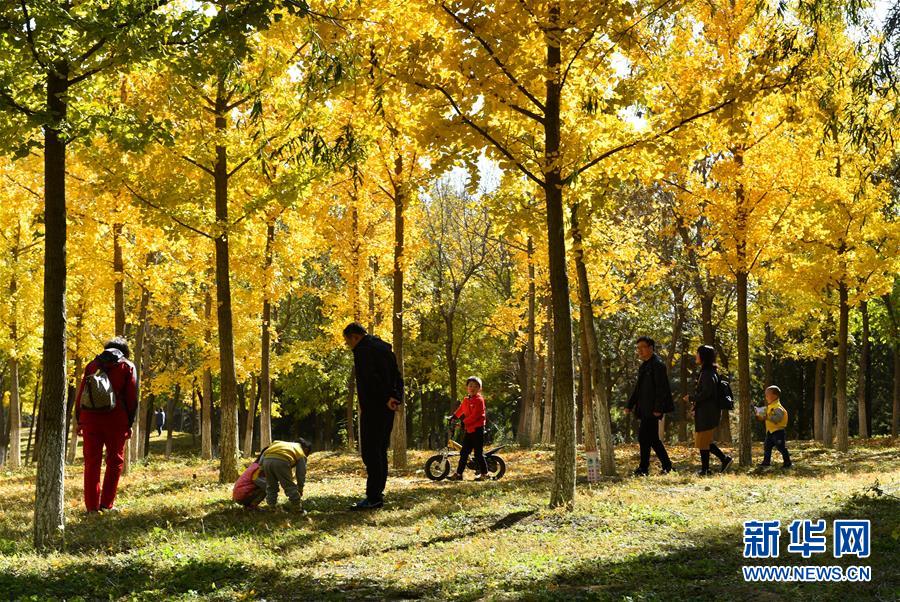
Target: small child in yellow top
278,461
776,418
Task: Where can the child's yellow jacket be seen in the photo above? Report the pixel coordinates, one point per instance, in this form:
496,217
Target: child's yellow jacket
776,416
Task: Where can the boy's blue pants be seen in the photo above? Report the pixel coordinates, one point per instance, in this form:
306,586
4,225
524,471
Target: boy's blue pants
777,440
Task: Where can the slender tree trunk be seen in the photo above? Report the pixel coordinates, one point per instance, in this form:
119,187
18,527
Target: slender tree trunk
895,413
119,288
195,417
38,386
861,396
73,435
14,456
49,505
251,418
599,403
547,427
145,401
140,345
743,342
828,402
843,418
4,428
206,399
452,367
398,435
684,372
563,487
769,362
538,391
587,395
743,337
170,418
817,400
529,418
265,378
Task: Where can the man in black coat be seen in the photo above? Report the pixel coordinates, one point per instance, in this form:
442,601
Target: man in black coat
379,387
652,397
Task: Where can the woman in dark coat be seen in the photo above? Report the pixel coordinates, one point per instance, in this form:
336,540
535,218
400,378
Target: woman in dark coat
705,405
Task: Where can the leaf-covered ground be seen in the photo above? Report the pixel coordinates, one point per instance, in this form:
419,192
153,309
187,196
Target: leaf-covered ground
675,537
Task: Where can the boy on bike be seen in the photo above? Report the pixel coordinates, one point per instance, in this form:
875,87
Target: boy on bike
472,412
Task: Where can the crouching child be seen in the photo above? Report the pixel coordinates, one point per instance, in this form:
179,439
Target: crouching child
281,462
250,489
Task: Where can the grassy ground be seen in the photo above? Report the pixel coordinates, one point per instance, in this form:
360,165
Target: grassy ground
675,537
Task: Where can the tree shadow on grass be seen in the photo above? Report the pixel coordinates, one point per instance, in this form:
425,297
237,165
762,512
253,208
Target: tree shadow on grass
328,515
710,568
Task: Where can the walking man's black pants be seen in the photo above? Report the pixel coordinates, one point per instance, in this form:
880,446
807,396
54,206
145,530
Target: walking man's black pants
648,438
375,425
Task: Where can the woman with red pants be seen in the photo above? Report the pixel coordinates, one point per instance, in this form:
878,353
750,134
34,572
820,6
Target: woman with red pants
104,409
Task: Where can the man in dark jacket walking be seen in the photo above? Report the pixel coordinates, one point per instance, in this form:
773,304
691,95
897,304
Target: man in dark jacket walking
652,397
379,387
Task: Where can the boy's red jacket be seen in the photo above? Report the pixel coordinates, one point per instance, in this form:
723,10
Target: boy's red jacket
472,408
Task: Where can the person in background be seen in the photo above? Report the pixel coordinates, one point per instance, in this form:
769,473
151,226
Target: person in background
160,421
472,412
104,411
279,461
652,397
705,405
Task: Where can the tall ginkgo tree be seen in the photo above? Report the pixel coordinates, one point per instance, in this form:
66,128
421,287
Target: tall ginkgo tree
52,51
533,83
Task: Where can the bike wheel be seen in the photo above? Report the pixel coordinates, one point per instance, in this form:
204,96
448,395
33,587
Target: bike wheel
437,468
496,467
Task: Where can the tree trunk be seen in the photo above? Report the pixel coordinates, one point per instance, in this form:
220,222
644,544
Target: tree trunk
895,413
743,348
140,345
452,367
195,417
14,456
563,487
148,420
547,426
73,435
828,402
49,505
538,392
228,437
398,434
265,382
529,415
170,418
684,372
843,418
587,395
861,395
206,399
743,337
599,403
817,400
38,393
119,288
251,417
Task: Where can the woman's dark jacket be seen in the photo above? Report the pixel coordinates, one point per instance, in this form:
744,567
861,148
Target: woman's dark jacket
705,399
